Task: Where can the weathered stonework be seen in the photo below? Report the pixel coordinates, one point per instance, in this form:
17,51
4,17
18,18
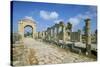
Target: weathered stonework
88,36
76,36
24,23
56,33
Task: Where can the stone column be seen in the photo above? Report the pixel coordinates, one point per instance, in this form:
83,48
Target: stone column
48,33
56,31
88,37
33,33
66,33
57,26
53,32
45,35
79,36
21,30
42,35
57,34
38,35
63,31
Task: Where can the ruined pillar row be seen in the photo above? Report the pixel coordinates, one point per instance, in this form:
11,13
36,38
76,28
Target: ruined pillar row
88,36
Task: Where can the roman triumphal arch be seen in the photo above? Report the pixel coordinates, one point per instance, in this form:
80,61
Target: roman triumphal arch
24,23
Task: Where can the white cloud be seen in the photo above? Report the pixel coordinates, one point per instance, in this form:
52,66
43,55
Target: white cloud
78,18
74,20
29,17
48,15
44,15
54,15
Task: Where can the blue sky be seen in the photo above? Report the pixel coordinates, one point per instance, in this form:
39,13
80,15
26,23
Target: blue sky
47,14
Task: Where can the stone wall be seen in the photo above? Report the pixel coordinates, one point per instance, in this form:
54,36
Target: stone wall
76,36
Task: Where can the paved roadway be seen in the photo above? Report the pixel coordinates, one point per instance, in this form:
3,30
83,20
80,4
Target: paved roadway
51,54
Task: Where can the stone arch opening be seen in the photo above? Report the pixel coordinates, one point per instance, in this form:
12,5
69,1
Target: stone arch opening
28,31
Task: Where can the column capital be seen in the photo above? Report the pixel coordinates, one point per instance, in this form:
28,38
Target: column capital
88,19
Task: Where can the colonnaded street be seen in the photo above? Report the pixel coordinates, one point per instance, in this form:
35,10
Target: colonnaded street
39,52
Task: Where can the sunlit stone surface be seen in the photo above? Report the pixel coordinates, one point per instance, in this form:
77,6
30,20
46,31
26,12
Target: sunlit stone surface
36,52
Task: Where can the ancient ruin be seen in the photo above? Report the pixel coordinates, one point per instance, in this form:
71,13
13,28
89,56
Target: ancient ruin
24,23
